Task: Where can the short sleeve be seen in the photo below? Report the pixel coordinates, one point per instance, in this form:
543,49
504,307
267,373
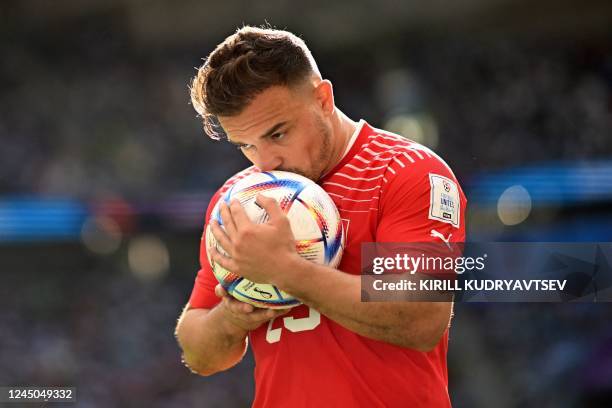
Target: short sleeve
203,293
421,202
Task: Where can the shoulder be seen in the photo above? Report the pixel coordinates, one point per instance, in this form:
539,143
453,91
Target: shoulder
416,177
417,163
405,159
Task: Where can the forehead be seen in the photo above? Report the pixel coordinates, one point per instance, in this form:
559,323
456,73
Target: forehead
272,106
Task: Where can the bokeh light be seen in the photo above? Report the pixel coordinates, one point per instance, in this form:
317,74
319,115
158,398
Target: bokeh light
514,205
148,257
421,128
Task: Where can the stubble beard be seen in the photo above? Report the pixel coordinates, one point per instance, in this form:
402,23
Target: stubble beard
323,157
325,153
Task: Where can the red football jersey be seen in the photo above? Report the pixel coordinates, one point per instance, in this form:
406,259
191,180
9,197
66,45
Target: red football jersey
387,189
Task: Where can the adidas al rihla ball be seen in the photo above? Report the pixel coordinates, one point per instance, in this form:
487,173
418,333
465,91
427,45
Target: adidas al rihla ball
315,223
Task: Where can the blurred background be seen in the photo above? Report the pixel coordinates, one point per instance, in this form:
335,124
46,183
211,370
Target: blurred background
105,174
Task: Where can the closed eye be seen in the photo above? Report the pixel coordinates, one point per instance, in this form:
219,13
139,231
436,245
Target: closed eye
243,146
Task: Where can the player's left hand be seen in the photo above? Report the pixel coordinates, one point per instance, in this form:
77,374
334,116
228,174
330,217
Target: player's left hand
262,253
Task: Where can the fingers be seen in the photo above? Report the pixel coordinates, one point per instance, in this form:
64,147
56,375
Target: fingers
238,214
221,237
259,315
228,219
222,260
237,307
270,206
247,316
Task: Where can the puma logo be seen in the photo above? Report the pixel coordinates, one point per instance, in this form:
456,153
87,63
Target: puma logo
437,234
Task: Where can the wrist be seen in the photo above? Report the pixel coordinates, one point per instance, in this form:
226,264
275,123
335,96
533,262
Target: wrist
296,272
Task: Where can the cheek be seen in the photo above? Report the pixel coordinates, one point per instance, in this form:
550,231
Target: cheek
314,152
247,155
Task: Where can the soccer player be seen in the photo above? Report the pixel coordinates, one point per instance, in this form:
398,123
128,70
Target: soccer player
266,92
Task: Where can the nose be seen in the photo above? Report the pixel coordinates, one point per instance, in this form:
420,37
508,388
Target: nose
267,161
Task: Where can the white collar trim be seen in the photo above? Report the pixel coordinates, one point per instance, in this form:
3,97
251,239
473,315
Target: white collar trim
353,138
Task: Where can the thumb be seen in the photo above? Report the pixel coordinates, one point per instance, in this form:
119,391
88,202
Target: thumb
219,291
270,206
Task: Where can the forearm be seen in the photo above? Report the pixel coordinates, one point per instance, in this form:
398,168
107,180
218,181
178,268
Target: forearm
337,295
209,342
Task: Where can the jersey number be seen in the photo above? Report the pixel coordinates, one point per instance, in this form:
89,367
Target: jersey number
293,325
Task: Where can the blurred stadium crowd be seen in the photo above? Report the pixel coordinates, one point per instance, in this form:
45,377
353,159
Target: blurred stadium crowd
72,319
84,114
88,121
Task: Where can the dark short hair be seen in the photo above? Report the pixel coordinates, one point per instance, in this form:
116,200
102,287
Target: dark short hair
245,64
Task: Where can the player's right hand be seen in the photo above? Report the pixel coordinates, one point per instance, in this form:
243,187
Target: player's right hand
244,315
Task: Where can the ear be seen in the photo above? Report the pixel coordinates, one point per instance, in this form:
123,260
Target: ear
324,93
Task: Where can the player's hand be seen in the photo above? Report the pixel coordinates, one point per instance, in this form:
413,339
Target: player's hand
262,253
244,315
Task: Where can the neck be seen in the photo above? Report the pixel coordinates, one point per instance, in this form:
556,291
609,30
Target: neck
343,128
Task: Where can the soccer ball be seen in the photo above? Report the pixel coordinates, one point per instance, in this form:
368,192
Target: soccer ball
315,223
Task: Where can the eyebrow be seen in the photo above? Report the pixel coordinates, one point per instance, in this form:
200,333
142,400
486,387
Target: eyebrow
269,132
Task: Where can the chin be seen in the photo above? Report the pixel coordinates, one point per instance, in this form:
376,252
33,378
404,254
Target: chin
314,176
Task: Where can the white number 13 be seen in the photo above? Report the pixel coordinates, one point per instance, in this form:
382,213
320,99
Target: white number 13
293,325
